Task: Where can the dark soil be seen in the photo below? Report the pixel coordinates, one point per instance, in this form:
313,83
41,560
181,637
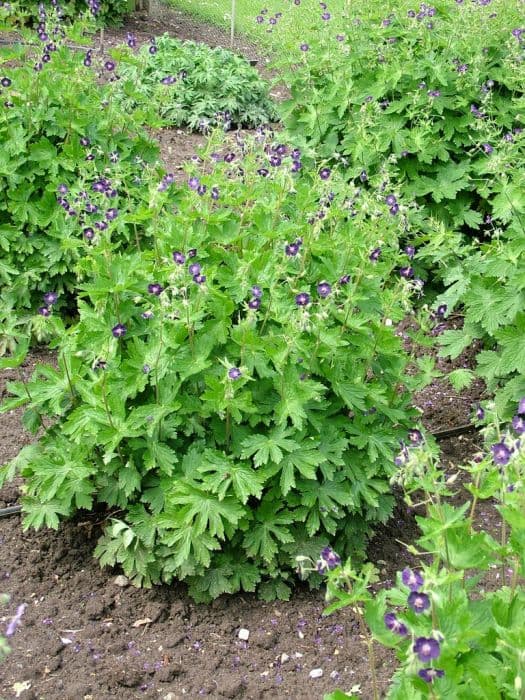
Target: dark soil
84,637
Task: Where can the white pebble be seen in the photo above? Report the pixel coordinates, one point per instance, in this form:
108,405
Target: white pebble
244,634
316,673
121,581
284,658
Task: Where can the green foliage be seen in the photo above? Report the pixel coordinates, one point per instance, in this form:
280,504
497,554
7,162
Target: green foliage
190,84
476,627
227,426
432,103
108,12
48,116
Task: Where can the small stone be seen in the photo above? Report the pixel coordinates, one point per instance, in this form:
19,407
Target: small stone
121,581
300,634
244,634
316,673
284,658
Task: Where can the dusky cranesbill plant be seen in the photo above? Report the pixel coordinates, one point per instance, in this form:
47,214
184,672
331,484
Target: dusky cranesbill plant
235,394
59,127
190,84
457,621
431,92
106,12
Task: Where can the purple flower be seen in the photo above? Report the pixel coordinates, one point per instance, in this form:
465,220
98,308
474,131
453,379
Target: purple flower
263,172
194,269
254,304
155,288
179,257
147,315
304,47
50,298
291,249
89,233
119,331
518,423
168,80
153,49
427,649
131,40
302,299
441,310
394,625
193,183
214,193
324,173
345,279
259,19
192,252
434,93
296,166
419,602
328,561
199,279
462,68
390,200
501,454
429,674
324,289
375,254
326,16
5,82
412,579
488,148
15,620
109,65
406,272
62,189
234,373
44,311
201,190
480,413
410,251
394,209
111,214
415,436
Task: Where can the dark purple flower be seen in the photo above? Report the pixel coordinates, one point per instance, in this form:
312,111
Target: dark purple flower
199,279
259,19
394,209
119,331
390,200
5,82
488,148
62,189
441,310
201,190
518,423
193,183
375,254
429,674
328,561
169,80
291,249
501,454
214,192
302,299
426,648
304,47
147,315
326,16
480,413
234,373
192,252
410,251
44,311
394,625
462,68
109,65
324,173
263,172
345,279
153,49
101,225
155,288
363,176
406,272
415,436
324,289
194,269
146,369
179,257
111,214
256,291
412,579
419,602
50,298
131,40
254,304
434,93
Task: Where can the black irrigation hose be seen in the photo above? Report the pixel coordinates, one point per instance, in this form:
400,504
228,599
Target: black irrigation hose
439,435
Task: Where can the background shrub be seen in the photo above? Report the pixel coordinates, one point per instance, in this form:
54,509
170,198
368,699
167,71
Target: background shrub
58,127
190,84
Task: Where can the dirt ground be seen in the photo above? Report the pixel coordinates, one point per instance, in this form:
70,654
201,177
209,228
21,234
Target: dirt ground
84,637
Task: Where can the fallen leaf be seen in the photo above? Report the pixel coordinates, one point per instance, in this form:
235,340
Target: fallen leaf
20,687
143,621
